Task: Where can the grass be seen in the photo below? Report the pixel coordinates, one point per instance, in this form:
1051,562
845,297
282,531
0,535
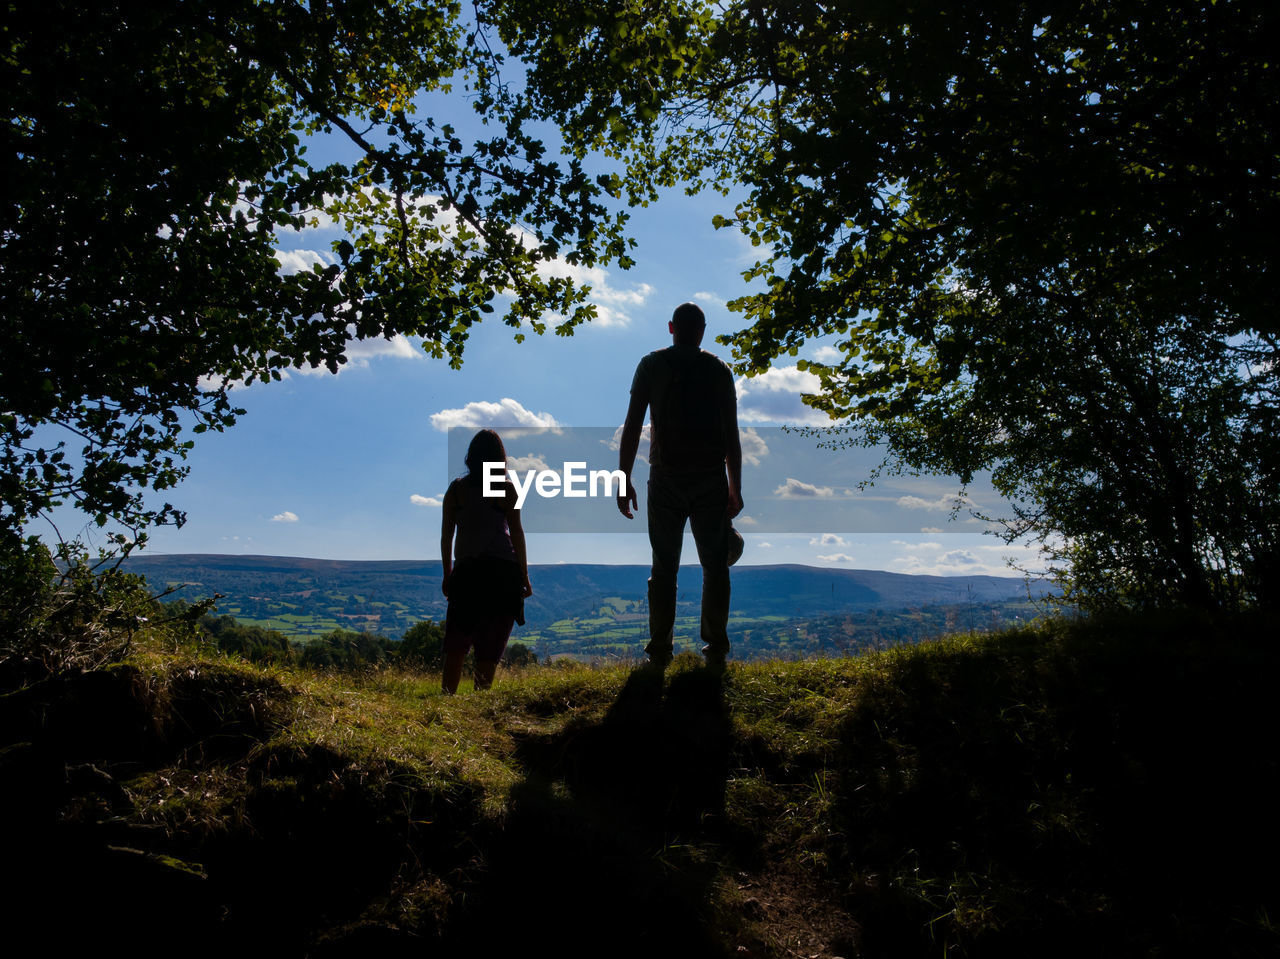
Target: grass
1088,788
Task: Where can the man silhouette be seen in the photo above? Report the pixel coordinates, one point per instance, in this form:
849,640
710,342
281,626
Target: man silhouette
693,414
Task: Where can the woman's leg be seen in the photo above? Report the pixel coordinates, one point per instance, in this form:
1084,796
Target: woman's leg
490,643
453,660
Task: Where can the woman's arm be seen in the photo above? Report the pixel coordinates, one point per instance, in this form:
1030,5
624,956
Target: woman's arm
517,540
448,523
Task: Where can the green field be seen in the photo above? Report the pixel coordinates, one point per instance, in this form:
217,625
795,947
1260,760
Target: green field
618,628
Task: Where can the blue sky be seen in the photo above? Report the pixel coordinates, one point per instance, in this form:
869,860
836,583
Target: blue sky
352,466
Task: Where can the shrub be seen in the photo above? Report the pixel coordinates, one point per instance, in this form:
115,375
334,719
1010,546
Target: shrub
65,612
423,645
518,654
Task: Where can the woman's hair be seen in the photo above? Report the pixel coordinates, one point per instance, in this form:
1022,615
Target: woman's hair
486,447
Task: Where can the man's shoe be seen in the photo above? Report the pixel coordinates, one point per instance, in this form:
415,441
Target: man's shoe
656,664
715,659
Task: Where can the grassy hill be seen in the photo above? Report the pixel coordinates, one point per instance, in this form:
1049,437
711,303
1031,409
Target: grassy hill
1102,789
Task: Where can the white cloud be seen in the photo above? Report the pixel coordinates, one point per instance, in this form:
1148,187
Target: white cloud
481,414
793,488
753,445
828,539
319,221
360,352
703,296
417,500
836,558
933,559
531,462
774,397
943,502
209,384
601,291
300,261
612,303
744,520
608,316
642,451
288,516
422,208
930,529
827,354
764,546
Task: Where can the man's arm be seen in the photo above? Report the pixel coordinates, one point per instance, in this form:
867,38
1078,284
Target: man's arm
630,445
733,452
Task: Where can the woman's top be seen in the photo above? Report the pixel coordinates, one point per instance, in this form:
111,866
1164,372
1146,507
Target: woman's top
482,525
486,580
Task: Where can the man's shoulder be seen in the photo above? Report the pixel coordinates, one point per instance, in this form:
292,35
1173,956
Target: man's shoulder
714,368
715,362
660,365
655,365
649,364
673,354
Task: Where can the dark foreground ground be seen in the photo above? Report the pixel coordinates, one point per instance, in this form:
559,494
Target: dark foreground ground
1103,789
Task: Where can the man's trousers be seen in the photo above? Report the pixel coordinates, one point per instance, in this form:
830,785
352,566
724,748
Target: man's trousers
702,499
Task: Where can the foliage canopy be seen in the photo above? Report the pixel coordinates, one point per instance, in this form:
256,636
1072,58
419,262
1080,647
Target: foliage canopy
155,154
1039,235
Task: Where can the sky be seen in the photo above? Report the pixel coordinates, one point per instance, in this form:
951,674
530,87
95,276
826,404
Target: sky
353,465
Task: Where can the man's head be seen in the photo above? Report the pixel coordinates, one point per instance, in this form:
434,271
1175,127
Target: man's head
687,324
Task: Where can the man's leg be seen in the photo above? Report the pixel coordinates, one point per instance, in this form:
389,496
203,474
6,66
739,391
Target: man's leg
711,535
666,531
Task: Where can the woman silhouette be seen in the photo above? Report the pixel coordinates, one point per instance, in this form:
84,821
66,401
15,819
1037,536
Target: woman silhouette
486,574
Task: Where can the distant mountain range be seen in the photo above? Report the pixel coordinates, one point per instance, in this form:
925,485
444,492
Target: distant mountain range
389,595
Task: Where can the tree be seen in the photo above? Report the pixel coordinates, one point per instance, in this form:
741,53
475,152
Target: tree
155,152
518,654
423,645
248,641
1041,234
342,649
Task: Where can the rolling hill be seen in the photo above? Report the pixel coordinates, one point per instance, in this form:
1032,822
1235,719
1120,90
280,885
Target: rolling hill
308,596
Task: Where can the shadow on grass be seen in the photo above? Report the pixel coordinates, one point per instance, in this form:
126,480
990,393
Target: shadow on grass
603,851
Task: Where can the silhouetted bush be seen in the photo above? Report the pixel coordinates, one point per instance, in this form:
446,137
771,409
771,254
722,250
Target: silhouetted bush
248,641
518,654
343,649
64,613
423,645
